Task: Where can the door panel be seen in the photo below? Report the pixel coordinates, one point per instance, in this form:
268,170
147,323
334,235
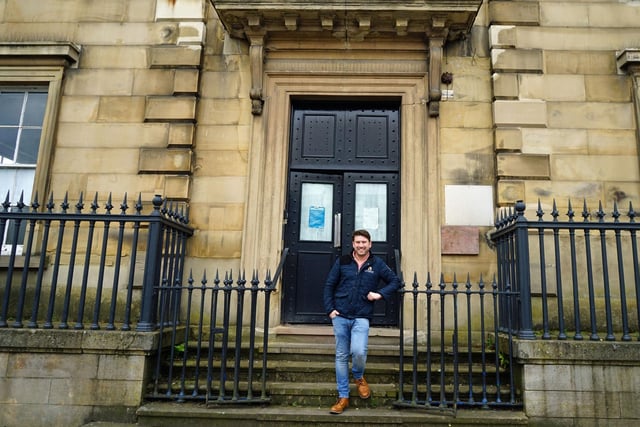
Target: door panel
343,175
314,200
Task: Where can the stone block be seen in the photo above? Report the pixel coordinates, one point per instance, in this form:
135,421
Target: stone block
141,11
154,160
180,10
176,187
78,109
561,192
608,88
579,62
460,240
153,82
190,33
185,82
175,56
590,115
181,135
564,14
520,113
550,141
469,168
505,85
514,12
630,410
65,11
465,115
509,191
45,415
21,390
170,108
223,137
228,217
558,87
586,167
517,60
119,367
112,135
225,112
219,244
508,139
465,140
96,160
222,189
532,166
224,84
128,57
502,36
613,15
99,82
47,365
221,163
622,193
127,33
121,109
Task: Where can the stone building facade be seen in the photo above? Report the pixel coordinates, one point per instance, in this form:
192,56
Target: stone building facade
194,100
156,97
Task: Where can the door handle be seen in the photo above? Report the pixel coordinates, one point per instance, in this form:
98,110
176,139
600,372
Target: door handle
337,230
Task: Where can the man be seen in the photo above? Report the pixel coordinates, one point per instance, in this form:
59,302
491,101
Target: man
349,293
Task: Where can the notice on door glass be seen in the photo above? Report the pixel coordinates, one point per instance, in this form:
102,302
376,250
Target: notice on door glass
370,218
316,217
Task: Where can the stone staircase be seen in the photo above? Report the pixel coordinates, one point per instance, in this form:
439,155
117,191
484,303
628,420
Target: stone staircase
301,388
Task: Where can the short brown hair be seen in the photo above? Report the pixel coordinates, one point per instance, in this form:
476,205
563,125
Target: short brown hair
362,232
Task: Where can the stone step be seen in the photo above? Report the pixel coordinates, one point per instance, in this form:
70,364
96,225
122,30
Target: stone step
165,414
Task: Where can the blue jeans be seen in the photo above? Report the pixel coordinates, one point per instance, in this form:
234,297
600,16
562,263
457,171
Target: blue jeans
352,337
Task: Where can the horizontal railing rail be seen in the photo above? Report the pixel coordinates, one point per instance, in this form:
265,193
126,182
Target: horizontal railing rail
574,276
69,267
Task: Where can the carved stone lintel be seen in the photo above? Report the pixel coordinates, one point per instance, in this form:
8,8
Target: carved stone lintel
435,69
256,56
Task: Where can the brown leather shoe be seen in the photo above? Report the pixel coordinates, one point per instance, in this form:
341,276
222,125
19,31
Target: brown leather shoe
340,406
363,388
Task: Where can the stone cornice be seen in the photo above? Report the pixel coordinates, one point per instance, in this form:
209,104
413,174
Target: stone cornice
436,21
39,53
338,18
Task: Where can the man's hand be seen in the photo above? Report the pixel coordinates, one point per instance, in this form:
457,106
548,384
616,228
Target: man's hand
333,314
373,296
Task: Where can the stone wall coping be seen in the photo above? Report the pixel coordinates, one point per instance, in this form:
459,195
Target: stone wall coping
74,341
575,352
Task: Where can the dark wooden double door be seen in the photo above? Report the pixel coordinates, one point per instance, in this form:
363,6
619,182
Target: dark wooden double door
343,175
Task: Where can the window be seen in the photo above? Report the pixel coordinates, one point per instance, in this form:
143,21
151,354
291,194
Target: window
30,89
22,112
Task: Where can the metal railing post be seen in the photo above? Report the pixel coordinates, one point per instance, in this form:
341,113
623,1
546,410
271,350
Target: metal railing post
153,264
525,330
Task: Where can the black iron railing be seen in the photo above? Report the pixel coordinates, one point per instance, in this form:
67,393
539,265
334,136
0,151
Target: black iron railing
214,356
570,276
68,268
456,355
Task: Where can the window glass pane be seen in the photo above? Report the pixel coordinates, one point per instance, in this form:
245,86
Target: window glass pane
316,211
34,111
28,148
8,137
10,108
371,210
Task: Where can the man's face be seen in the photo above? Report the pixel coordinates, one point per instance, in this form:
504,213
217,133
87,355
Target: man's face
361,245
